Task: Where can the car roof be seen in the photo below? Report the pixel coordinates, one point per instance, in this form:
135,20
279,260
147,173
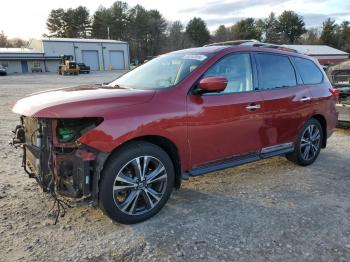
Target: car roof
250,45
204,49
218,47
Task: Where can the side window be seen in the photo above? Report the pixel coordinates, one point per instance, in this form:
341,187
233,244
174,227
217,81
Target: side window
276,71
237,69
308,71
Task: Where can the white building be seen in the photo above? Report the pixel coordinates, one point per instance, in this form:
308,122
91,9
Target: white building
326,55
44,55
22,60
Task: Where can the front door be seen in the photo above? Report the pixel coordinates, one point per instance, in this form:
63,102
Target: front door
286,100
226,124
24,66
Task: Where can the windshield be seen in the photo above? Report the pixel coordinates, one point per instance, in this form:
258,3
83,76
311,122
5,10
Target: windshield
162,72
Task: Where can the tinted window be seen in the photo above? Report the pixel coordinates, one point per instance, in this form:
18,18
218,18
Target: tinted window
308,71
275,71
238,71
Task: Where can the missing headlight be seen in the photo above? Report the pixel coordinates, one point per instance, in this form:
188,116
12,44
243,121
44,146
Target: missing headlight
70,129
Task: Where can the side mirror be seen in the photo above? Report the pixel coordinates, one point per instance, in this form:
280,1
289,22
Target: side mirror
212,84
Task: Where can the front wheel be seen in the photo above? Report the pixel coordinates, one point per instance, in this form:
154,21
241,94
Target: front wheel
136,183
308,145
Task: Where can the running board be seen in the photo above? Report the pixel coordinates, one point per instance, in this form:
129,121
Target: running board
276,150
265,153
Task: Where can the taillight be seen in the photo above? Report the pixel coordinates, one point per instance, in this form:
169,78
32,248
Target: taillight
335,92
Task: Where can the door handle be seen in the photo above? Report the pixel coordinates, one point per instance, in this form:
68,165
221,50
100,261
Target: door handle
304,99
253,107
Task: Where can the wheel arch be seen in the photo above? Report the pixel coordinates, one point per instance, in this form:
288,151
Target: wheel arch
166,144
322,120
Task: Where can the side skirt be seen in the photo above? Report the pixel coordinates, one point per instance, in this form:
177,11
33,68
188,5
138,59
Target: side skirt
237,161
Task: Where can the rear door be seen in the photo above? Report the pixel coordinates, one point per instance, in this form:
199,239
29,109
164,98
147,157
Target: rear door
322,100
226,124
286,100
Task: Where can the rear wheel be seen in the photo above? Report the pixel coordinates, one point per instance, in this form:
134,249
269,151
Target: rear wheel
308,145
136,183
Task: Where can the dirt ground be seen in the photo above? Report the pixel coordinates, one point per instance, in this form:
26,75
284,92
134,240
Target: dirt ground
269,210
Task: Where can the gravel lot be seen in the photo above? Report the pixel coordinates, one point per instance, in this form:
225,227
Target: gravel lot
269,210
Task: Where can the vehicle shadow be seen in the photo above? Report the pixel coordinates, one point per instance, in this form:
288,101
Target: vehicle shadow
197,222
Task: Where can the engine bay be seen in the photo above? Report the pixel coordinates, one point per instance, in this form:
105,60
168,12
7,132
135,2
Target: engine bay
54,157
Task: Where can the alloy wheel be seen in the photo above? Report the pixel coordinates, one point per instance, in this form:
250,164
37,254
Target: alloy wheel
140,185
310,142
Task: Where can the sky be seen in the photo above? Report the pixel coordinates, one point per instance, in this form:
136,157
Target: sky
26,19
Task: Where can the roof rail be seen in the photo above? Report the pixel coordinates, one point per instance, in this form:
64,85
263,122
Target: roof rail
255,43
233,42
274,46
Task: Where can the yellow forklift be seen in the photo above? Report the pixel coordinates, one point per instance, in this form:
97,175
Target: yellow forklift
68,66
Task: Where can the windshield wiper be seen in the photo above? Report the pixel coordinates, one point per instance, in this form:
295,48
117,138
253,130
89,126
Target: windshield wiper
114,87
120,87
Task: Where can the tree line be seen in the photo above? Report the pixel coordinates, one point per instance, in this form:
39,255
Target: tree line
11,42
150,34
288,28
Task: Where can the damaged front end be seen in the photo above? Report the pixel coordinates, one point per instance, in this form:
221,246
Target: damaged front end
53,155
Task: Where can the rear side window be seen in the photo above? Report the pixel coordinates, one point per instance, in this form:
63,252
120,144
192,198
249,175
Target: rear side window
308,71
276,71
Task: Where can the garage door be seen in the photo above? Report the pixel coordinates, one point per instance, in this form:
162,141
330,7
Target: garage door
116,59
90,58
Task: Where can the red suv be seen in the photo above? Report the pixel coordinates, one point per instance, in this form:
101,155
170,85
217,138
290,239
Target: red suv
127,144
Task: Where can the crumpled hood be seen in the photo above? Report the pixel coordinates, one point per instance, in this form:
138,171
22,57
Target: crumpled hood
80,101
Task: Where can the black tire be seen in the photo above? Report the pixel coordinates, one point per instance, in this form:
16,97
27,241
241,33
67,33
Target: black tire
116,166
300,155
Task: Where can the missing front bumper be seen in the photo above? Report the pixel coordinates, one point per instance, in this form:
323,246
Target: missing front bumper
65,169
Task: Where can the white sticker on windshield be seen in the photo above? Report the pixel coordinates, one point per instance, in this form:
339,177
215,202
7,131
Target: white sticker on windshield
195,57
